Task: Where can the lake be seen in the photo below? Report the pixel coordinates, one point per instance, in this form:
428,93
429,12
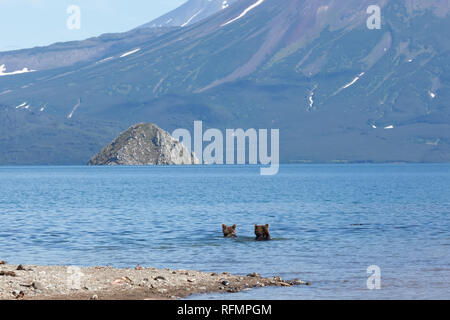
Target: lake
329,223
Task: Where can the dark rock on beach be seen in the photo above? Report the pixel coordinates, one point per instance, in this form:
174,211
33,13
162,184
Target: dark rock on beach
254,275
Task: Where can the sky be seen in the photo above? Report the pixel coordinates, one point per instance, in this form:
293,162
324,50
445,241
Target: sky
31,23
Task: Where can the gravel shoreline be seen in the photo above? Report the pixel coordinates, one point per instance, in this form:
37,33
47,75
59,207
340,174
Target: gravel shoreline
107,283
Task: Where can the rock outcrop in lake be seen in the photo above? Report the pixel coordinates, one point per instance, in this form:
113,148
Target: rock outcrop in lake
144,144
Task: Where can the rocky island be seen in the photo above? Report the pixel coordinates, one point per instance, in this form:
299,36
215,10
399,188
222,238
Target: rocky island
144,144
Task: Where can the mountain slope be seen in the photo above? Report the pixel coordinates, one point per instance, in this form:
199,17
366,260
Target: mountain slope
29,138
71,53
337,90
189,13
98,48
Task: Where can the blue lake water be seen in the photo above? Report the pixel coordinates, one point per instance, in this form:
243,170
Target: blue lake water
170,217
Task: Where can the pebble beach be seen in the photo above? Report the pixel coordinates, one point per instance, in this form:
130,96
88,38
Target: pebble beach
19,282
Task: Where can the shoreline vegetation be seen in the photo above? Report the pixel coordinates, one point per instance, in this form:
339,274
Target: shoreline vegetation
19,282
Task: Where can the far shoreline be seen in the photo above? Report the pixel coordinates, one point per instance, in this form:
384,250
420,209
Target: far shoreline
292,163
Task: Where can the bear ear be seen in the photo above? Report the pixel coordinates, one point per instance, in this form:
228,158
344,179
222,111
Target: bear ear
234,226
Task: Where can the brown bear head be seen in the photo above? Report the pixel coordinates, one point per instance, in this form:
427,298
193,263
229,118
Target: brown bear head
262,232
229,232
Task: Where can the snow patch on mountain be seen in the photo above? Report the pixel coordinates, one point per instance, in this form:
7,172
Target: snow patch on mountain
253,6
5,92
191,18
126,54
350,83
353,81
4,73
106,59
74,109
322,9
21,105
311,98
